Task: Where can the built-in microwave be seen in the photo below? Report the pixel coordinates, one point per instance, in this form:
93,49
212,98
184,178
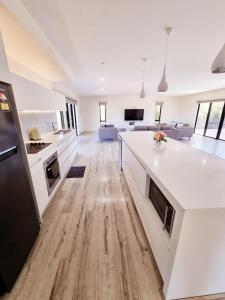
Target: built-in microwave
162,206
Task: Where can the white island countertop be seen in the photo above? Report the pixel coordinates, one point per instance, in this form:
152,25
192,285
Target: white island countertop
54,139
195,179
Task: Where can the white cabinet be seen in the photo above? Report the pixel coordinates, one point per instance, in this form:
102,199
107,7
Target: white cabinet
66,151
32,96
40,186
136,177
66,154
59,101
43,99
137,170
4,70
24,93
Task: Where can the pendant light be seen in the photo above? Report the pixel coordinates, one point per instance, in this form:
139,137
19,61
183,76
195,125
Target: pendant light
142,92
163,85
218,65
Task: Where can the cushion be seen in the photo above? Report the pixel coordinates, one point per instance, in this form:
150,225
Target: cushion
167,127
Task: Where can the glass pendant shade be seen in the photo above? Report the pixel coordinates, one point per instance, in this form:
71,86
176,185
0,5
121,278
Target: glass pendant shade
163,85
142,93
218,65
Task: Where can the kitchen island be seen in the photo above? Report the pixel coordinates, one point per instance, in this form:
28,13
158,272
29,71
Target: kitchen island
179,193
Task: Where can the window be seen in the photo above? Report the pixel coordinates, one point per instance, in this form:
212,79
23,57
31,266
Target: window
158,111
102,109
222,129
202,114
214,119
210,119
75,117
67,115
71,114
60,119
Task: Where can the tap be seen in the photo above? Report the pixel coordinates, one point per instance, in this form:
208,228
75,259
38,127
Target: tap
54,126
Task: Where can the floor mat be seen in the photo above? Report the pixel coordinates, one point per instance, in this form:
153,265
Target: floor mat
76,172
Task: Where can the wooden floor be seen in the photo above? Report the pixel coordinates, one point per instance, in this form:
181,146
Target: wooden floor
91,245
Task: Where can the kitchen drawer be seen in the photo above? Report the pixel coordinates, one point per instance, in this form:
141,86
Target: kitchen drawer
136,169
67,152
66,166
135,192
157,242
61,148
40,186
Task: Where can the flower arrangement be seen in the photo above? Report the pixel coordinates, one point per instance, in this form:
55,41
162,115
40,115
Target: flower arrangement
160,136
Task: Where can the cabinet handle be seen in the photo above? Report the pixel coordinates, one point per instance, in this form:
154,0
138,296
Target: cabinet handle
165,217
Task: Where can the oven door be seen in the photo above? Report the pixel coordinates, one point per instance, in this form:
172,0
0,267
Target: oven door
52,174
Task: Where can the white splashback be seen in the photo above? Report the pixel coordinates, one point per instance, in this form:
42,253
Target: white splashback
41,120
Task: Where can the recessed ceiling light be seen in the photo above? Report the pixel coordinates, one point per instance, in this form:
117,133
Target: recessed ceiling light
101,79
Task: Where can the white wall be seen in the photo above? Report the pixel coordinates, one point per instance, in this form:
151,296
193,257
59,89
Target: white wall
188,104
41,120
116,105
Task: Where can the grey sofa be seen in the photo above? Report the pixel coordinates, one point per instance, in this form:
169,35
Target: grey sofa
186,131
174,131
171,132
107,133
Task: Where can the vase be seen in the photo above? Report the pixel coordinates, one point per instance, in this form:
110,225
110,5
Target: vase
160,147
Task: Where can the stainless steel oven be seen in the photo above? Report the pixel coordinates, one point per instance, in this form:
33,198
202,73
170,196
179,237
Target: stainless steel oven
52,172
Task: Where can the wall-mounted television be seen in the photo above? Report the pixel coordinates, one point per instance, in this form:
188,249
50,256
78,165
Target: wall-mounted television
134,114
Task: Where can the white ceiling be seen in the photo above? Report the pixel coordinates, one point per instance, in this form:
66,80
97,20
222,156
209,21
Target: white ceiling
120,32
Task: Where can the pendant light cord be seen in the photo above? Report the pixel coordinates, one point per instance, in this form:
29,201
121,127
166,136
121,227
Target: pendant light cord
168,31
144,62
165,60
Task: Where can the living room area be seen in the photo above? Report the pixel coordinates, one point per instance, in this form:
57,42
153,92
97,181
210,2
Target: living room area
184,118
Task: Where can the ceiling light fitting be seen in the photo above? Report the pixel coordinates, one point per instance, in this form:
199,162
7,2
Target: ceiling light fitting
163,85
218,65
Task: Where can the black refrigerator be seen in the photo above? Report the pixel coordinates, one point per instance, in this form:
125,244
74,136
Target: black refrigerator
19,220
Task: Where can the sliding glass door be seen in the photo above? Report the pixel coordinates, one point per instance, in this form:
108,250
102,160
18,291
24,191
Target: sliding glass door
210,119
202,113
222,132
215,113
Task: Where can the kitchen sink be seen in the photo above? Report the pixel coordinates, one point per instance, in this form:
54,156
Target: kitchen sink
62,131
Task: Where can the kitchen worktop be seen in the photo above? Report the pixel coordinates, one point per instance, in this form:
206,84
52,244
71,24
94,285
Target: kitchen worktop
195,179
54,139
